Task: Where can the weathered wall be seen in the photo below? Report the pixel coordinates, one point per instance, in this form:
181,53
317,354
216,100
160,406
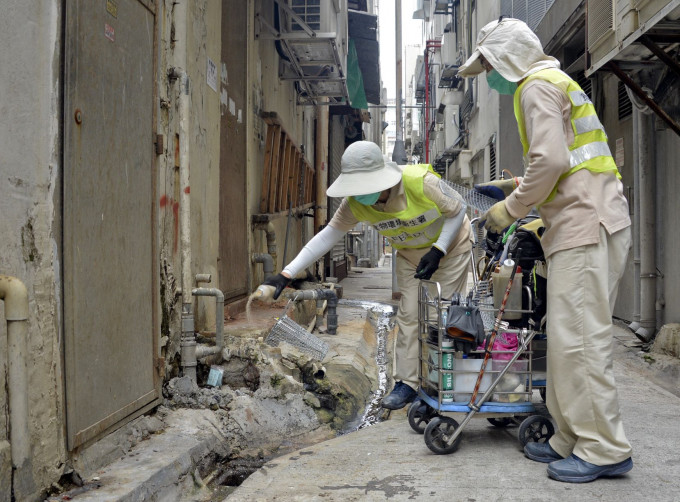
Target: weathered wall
617,129
204,43
270,94
30,174
668,209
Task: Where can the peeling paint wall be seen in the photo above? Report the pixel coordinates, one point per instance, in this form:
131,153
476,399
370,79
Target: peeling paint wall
270,94
30,230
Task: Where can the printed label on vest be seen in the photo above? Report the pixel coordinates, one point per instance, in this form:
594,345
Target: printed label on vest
394,223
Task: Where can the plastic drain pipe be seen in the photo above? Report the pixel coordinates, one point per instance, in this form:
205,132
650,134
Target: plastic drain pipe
267,261
320,294
268,228
15,296
203,350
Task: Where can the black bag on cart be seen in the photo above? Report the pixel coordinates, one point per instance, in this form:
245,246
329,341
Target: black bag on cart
465,327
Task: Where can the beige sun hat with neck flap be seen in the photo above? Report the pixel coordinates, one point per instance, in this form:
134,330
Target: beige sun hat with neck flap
511,48
363,170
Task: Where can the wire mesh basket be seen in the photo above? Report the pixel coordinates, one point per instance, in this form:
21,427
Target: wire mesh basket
287,330
472,197
482,297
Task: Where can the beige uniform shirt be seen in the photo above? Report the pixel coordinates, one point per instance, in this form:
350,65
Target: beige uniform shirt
344,219
584,200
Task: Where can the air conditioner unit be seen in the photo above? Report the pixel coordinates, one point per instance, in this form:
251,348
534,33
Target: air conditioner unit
451,128
323,52
611,24
463,164
449,48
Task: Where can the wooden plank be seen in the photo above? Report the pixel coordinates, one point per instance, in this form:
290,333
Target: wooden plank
281,204
267,170
276,155
295,179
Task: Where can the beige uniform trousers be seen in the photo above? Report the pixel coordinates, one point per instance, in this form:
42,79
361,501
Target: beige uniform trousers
452,275
581,393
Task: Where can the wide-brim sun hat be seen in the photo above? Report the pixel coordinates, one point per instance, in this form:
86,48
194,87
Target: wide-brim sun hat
511,48
363,170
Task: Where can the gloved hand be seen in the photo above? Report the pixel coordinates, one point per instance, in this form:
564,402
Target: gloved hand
497,217
497,189
278,281
428,264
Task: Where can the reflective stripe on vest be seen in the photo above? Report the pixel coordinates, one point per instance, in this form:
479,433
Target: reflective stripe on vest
590,149
417,226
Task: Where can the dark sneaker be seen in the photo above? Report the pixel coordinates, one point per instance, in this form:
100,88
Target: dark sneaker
541,452
400,396
574,470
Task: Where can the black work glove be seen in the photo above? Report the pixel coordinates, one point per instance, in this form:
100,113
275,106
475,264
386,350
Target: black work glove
280,282
429,263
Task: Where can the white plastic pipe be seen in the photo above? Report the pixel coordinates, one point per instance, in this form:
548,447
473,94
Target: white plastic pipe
15,296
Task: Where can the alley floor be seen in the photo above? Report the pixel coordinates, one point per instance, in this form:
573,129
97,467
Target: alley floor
389,461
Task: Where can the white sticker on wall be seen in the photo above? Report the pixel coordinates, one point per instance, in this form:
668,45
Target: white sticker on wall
211,75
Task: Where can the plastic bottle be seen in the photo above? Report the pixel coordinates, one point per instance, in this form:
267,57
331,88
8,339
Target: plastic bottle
500,278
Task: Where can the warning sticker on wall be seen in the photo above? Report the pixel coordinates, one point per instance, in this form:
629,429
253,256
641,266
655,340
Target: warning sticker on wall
619,152
211,75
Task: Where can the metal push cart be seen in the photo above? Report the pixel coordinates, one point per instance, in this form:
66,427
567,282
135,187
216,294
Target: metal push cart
451,382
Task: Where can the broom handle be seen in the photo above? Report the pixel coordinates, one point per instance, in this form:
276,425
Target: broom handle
492,338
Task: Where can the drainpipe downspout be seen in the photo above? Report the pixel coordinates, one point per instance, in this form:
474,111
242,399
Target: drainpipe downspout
320,294
635,324
13,292
179,75
647,182
267,263
203,351
270,232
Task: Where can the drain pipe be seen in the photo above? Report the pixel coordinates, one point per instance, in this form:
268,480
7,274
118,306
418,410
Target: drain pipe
15,296
320,294
646,178
270,232
178,74
202,350
267,261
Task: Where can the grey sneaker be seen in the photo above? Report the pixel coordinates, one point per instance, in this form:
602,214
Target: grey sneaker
575,470
541,452
400,396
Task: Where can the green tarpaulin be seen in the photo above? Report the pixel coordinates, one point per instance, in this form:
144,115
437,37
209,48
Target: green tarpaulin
355,81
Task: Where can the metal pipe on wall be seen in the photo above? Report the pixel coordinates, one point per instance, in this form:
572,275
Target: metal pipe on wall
646,179
15,295
178,74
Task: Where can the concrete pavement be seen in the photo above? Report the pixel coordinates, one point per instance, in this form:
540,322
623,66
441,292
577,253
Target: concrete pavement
388,461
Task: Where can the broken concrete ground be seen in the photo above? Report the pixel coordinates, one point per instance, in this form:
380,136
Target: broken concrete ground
274,400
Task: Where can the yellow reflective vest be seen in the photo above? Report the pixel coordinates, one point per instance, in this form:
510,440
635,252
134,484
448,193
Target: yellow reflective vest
417,226
589,149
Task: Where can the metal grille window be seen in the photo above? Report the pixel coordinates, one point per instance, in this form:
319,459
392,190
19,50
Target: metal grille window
585,83
492,162
625,104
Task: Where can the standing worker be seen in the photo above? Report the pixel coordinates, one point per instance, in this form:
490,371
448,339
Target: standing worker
421,216
572,178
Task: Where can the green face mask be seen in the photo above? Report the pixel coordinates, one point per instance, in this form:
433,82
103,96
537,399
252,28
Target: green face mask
368,199
499,83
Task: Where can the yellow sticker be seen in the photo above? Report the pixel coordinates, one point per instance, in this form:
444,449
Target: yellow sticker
112,8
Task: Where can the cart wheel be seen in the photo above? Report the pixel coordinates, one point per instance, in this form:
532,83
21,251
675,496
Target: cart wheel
535,429
437,434
500,422
419,415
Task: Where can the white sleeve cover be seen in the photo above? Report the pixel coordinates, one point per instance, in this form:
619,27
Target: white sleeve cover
318,246
450,230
